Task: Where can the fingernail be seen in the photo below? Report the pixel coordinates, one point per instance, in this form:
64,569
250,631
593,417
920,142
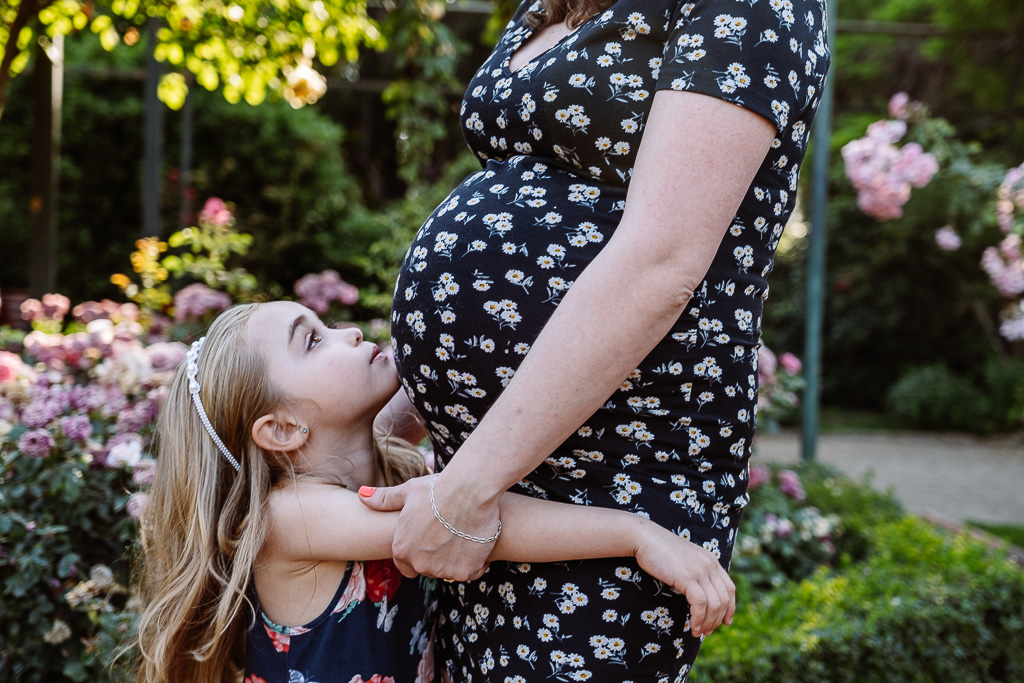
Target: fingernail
366,491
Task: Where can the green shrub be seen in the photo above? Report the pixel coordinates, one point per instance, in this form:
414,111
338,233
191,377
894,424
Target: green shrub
924,606
858,505
932,397
1004,382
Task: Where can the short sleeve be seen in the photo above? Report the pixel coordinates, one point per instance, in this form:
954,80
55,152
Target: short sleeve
768,56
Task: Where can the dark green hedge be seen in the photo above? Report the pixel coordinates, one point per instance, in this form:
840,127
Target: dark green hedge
924,606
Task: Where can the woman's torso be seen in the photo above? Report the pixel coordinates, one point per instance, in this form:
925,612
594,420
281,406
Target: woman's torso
557,140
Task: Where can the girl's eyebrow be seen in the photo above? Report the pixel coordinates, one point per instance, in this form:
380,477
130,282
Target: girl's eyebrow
295,325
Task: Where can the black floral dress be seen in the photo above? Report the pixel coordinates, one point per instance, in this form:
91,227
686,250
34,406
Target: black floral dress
557,139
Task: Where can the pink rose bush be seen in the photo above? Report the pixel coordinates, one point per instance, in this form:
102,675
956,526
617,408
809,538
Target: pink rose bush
79,396
77,405
1004,263
882,173
779,385
782,538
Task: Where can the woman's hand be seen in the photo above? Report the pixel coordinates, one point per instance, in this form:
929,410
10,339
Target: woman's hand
693,571
422,544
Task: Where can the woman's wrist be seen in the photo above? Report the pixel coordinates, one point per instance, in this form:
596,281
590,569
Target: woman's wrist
464,505
475,487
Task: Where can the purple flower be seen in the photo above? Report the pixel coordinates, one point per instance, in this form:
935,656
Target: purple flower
136,505
784,529
166,355
76,427
196,300
135,418
36,443
88,311
144,471
318,291
40,413
947,239
789,484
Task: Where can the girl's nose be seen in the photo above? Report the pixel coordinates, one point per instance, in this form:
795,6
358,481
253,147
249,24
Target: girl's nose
356,333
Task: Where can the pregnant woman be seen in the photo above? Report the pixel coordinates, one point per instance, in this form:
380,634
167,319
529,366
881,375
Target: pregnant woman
579,320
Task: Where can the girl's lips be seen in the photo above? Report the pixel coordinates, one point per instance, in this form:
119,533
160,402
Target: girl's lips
376,355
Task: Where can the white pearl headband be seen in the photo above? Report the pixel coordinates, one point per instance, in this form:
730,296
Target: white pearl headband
192,371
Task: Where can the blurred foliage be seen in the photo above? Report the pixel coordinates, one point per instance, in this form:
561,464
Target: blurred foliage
241,48
310,183
924,606
902,601
933,397
893,300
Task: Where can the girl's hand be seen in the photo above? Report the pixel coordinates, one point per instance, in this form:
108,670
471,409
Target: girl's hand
422,545
693,571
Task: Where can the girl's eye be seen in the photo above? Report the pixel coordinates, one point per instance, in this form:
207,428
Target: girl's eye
314,339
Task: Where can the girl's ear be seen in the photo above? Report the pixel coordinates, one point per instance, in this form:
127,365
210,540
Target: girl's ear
274,433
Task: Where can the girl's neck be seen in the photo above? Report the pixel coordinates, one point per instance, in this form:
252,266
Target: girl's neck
348,457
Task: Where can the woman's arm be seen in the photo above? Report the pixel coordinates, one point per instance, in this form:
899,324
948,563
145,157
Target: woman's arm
694,165
533,531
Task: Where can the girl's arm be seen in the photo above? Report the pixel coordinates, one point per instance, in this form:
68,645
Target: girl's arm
533,531
697,158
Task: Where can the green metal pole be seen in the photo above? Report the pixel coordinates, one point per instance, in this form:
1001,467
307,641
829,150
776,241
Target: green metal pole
816,258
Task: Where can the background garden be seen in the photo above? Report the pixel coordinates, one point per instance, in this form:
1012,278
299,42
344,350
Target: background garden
314,156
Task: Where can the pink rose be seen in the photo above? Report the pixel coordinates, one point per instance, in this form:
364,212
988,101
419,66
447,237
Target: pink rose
759,474
216,212
898,106
790,363
355,591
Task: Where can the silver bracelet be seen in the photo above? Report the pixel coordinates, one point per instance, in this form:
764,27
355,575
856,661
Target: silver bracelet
449,527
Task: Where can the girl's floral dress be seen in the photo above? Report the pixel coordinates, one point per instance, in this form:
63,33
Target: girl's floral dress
557,140
378,629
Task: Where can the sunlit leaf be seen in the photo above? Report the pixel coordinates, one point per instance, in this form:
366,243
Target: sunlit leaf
172,90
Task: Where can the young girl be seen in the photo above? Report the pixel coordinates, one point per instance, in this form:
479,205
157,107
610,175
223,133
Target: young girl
259,556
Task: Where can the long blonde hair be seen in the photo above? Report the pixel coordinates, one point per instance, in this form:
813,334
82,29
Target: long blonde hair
206,523
572,12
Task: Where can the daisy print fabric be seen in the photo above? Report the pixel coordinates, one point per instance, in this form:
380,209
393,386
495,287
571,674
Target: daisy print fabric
557,140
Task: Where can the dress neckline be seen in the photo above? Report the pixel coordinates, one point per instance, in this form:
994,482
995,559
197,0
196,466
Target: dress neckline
529,34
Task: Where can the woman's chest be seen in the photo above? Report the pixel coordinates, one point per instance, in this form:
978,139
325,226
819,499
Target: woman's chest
580,97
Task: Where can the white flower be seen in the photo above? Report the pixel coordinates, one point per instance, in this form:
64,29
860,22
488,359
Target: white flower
128,452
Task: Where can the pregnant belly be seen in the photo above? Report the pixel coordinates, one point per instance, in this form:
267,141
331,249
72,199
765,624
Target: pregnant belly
483,275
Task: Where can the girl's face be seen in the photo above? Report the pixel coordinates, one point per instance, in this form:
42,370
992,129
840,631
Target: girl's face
331,375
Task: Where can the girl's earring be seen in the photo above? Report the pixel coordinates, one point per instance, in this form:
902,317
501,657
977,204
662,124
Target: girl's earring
305,430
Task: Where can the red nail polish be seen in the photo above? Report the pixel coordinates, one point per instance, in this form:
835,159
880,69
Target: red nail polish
366,491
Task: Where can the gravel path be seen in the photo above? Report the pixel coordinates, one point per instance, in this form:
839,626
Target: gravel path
963,477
